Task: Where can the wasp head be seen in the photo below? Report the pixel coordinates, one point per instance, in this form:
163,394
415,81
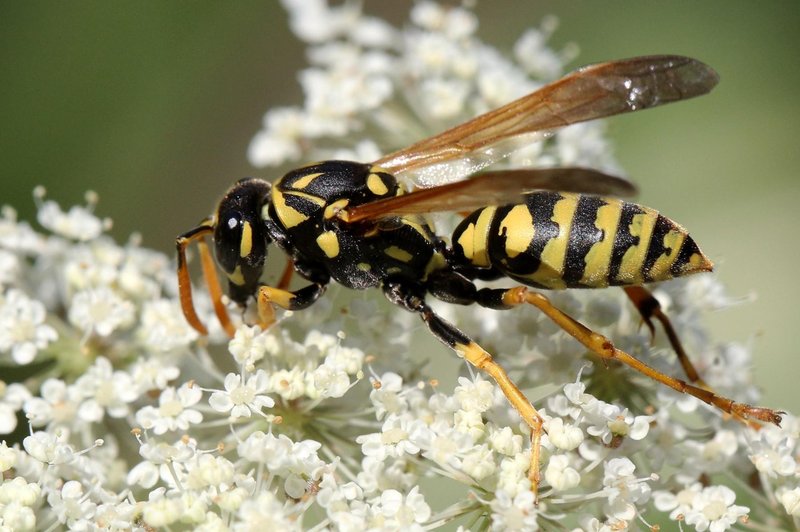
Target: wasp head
240,238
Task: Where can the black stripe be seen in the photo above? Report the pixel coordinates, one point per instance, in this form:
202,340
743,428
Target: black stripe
583,235
656,247
301,204
624,239
541,206
688,249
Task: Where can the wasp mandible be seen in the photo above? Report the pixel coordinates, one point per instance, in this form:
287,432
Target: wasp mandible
553,228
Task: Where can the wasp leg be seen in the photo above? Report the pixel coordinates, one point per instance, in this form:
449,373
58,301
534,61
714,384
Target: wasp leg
287,299
209,274
452,337
602,346
286,276
649,307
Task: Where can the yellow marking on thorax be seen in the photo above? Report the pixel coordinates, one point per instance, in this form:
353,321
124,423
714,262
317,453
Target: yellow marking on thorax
419,224
519,230
598,259
290,216
246,242
376,185
660,270
304,181
630,267
398,253
551,268
473,239
335,208
328,242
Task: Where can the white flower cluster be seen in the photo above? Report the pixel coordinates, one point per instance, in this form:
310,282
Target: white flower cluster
135,422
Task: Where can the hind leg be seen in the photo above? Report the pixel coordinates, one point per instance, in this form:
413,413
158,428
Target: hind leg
603,347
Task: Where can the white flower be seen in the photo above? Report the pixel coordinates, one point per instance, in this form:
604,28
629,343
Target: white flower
623,490
713,509
78,223
249,345
57,403
105,390
386,396
394,438
563,435
331,381
773,449
477,394
514,513
173,412
163,327
18,490
160,510
264,512
242,399
402,511
70,505
12,397
560,474
279,141
8,457
49,448
23,331
208,470
790,499
100,311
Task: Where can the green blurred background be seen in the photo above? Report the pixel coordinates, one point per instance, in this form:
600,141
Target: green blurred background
152,105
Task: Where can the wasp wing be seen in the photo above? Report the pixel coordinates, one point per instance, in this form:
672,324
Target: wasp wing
490,188
595,91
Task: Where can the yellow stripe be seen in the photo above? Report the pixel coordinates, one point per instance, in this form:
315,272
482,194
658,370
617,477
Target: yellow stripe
304,181
290,216
519,230
598,259
419,224
376,185
479,255
335,208
551,269
246,242
398,253
328,242
661,267
630,268
236,277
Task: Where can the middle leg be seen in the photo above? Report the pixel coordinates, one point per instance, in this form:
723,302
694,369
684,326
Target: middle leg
468,349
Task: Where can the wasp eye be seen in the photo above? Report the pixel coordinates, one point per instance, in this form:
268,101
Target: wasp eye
227,238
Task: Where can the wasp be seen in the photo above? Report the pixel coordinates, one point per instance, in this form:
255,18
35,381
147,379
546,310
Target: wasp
552,228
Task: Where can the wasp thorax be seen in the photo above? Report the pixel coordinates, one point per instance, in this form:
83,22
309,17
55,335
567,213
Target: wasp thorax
318,192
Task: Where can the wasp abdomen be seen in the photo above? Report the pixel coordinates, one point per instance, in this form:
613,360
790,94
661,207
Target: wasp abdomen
560,240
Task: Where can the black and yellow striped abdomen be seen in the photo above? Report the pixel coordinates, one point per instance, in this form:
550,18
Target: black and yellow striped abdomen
561,240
